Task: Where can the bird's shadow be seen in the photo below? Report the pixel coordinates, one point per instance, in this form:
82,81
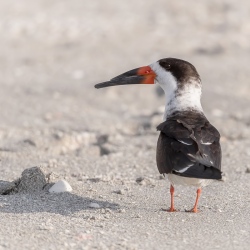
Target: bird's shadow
60,203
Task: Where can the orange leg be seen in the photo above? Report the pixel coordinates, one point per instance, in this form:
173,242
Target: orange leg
195,210
172,209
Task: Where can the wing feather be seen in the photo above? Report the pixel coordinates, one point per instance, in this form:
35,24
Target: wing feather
189,147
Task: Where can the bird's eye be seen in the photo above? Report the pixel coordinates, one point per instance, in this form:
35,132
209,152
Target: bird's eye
165,64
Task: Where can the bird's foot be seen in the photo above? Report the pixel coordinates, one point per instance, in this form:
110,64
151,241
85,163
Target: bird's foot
193,210
171,209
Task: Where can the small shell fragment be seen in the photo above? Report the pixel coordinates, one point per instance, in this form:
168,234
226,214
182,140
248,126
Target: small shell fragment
60,186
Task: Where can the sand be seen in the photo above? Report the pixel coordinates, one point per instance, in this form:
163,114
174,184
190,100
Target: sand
103,142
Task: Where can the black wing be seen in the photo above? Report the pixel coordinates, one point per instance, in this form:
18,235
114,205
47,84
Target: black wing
189,146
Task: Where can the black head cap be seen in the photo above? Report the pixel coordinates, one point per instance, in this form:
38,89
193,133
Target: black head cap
182,70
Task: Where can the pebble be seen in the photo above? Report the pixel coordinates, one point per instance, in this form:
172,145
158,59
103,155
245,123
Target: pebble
32,180
45,227
248,170
120,191
107,210
94,205
121,210
145,181
60,186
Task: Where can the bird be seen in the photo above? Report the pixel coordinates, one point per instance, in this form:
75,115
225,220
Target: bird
188,148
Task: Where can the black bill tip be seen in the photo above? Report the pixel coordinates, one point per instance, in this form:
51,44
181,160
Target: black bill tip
105,84
120,80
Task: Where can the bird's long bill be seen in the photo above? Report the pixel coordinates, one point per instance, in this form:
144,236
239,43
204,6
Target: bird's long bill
142,75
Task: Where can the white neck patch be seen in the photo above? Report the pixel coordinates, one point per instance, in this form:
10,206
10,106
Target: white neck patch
166,80
187,98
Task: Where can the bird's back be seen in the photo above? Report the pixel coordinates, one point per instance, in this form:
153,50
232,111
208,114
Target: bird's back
189,146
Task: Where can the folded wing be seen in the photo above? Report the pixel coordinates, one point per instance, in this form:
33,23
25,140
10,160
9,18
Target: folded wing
188,145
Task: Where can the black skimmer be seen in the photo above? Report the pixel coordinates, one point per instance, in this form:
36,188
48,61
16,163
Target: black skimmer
188,148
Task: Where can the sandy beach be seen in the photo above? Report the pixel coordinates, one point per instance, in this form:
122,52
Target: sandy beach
103,142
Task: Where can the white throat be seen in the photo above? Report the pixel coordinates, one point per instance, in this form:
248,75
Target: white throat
187,98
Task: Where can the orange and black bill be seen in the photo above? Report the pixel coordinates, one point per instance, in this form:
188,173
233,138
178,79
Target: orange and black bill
142,75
